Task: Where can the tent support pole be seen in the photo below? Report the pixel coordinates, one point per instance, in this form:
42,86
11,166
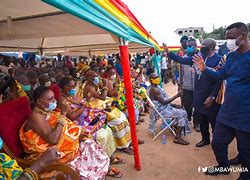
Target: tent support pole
124,54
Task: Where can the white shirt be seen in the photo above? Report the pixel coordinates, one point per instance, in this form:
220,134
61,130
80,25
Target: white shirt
164,63
143,61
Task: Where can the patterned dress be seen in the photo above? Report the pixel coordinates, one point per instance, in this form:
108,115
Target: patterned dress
87,157
89,114
168,112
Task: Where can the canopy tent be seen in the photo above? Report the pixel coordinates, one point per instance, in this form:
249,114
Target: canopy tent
43,24
32,19
77,45
51,31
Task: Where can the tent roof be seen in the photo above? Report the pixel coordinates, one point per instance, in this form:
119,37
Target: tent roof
24,8
78,44
30,25
32,19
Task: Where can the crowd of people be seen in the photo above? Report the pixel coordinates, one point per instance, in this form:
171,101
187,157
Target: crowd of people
79,104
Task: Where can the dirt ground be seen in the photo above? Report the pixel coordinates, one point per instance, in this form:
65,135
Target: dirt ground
171,161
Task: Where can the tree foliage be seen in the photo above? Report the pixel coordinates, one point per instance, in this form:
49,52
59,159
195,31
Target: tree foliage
217,34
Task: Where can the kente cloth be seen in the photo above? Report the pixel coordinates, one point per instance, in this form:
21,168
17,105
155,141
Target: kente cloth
88,157
120,98
119,125
88,115
105,137
68,145
168,112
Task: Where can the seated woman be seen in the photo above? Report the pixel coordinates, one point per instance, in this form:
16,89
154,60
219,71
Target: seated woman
46,127
117,120
78,110
92,119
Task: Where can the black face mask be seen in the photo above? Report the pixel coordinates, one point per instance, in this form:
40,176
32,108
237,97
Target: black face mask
204,51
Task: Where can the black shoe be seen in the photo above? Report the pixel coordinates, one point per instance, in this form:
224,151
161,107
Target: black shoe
197,128
202,143
243,178
235,161
216,170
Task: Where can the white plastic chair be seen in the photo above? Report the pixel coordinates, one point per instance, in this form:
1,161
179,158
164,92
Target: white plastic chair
168,125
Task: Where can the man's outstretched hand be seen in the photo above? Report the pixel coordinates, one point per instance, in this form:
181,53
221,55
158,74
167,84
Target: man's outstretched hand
165,48
199,61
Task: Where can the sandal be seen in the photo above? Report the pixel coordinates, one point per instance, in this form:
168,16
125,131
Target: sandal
141,120
115,173
127,151
117,160
140,142
181,142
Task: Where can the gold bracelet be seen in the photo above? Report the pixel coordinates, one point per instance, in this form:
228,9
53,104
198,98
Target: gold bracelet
30,174
61,120
27,175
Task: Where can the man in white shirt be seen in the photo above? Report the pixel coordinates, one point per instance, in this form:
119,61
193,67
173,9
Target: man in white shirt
164,68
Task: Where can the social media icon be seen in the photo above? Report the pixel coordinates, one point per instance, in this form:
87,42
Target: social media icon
204,169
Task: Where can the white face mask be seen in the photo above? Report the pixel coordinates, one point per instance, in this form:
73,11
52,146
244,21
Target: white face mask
231,45
113,77
48,84
53,79
78,75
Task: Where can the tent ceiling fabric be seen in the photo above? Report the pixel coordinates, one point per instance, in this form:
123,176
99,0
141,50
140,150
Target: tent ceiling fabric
57,42
78,43
48,26
34,25
23,8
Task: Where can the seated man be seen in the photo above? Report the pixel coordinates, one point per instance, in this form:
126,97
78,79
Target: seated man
113,91
46,127
162,103
117,120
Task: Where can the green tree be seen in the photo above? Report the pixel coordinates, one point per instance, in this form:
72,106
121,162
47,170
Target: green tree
217,34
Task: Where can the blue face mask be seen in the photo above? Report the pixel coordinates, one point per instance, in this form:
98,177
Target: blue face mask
1,143
96,81
72,92
190,49
52,106
26,87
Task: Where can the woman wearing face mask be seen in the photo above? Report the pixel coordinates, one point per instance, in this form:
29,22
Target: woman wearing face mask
112,84
92,119
20,87
97,96
47,127
79,112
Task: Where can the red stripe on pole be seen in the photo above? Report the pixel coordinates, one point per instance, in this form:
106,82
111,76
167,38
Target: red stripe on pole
130,103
